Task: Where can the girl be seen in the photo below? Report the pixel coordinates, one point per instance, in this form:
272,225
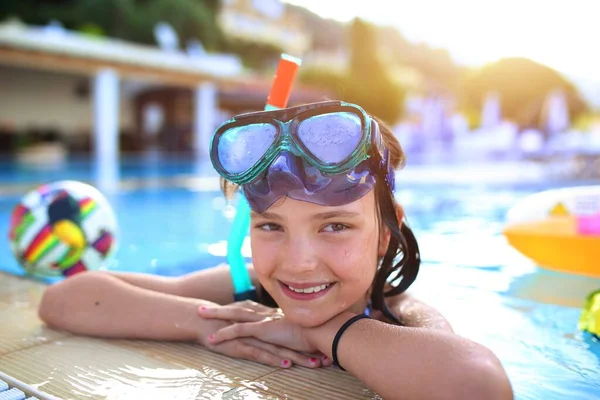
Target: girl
328,250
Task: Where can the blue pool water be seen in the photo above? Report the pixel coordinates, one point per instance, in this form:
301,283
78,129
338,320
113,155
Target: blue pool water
490,293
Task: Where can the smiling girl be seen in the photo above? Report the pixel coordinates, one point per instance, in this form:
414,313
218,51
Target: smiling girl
331,257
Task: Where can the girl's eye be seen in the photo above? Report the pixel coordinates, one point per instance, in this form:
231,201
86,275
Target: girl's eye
335,228
268,227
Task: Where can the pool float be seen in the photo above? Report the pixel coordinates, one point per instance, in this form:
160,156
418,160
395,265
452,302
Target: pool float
558,229
590,316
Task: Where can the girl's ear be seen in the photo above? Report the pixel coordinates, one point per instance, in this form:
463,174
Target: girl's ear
384,238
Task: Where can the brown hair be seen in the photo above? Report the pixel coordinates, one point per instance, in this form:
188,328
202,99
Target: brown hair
395,274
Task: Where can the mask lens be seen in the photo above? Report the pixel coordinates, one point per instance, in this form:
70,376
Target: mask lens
241,147
331,138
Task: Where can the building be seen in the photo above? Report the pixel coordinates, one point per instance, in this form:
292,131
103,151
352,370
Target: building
106,95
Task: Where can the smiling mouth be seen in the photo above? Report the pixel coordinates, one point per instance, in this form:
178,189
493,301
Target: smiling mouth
307,293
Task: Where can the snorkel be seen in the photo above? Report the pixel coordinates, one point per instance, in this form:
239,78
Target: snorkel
278,98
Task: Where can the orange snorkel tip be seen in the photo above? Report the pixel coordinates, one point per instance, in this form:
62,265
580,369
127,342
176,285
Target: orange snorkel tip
286,72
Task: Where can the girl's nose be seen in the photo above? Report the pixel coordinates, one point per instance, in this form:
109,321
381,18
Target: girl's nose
301,255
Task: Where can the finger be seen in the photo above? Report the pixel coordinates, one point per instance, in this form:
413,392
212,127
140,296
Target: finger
262,309
232,332
326,361
308,361
230,313
254,306
239,349
257,354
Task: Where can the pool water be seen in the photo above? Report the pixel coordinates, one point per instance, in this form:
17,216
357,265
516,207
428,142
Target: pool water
489,292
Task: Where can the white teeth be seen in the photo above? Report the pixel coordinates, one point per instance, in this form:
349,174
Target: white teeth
314,289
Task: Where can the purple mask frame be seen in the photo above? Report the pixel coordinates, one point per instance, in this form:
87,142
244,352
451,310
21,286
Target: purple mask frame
292,176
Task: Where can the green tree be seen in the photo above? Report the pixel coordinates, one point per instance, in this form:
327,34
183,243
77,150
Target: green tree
367,81
332,82
131,20
255,55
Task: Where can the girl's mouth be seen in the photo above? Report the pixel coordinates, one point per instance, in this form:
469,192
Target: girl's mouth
306,292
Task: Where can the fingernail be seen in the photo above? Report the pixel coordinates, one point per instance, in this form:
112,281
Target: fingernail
202,308
285,363
211,338
325,358
313,360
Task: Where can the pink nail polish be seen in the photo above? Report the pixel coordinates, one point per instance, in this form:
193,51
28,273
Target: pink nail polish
211,338
285,363
325,358
313,360
202,308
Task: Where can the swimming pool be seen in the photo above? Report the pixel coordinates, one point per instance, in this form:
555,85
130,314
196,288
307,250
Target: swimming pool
491,294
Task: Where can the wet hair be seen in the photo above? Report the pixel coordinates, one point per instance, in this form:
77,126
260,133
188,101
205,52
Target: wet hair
399,266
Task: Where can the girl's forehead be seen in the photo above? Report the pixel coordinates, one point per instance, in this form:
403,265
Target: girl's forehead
289,208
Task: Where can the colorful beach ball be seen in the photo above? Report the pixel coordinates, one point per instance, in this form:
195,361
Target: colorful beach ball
62,228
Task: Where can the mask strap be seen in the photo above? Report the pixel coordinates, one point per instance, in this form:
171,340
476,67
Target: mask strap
385,164
390,174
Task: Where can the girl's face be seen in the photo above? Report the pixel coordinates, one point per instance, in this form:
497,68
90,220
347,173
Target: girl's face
317,261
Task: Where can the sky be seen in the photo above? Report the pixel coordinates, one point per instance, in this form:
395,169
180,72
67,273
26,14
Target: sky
563,34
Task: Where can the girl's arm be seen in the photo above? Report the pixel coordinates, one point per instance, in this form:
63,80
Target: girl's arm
147,307
103,304
133,305
212,284
411,363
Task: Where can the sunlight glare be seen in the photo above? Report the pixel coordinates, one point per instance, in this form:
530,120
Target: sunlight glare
561,34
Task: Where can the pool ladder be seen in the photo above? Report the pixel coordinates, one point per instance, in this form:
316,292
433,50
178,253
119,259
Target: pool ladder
8,393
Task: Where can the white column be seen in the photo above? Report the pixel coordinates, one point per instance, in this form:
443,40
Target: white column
106,129
205,111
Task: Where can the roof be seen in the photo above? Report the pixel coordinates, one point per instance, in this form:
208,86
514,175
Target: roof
18,40
57,49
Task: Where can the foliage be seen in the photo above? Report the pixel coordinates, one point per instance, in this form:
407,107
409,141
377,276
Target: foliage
91,29
370,84
255,55
131,20
367,81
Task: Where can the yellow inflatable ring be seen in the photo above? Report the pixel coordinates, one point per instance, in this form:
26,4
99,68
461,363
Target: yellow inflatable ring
559,229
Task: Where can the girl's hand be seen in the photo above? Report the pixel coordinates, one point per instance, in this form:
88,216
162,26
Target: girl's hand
254,349
279,332
241,311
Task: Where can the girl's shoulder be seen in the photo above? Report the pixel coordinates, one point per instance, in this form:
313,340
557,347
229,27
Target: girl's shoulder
416,313
393,303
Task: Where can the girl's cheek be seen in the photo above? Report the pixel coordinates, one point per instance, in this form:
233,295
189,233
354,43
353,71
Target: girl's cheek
264,258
